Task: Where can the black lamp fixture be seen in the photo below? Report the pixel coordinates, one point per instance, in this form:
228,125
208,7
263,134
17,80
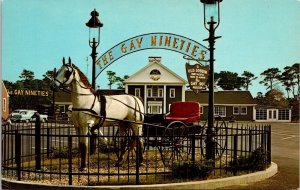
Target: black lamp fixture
94,25
211,22
211,12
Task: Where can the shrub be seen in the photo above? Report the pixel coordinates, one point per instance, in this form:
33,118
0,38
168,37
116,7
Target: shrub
63,152
255,162
190,170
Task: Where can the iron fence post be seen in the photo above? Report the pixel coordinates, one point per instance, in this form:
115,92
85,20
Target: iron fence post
235,146
250,141
262,139
137,155
70,158
193,148
37,142
18,153
269,144
48,142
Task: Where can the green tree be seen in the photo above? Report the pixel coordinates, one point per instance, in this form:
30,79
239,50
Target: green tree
270,75
287,80
248,77
112,78
48,76
276,98
290,80
27,75
260,99
229,81
120,82
295,70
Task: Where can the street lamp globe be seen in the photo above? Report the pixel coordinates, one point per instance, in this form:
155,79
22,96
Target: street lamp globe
211,12
94,25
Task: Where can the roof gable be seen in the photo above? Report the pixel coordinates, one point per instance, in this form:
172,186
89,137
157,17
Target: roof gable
4,89
155,72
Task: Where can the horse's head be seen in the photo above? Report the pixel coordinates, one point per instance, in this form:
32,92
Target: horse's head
64,76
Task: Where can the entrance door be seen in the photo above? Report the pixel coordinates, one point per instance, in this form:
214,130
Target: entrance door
272,115
154,107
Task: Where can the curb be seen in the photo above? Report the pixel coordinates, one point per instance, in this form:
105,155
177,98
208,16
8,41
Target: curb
205,184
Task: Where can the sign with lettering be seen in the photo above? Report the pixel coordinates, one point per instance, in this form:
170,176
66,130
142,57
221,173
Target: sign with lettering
167,41
28,92
197,76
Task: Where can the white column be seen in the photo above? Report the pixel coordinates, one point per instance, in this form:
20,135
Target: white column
183,93
165,99
145,98
254,113
126,88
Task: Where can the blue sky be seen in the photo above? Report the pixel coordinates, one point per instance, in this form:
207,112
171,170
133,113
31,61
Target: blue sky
256,34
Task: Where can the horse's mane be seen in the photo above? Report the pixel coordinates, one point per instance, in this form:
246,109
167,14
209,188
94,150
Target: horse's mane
84,79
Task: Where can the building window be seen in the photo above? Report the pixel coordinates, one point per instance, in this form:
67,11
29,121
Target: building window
261,114
4,104
62,109
220,111
137,92
236,110
160,92
149,92
274,114
155,92
172,93
283,114
243,110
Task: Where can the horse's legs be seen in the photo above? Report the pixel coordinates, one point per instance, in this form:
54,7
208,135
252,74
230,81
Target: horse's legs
83,146
137,133
122,129
95,133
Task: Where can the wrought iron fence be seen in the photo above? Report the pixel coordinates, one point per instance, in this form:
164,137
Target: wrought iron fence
48,153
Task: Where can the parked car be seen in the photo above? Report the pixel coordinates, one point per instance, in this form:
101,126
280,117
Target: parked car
23,115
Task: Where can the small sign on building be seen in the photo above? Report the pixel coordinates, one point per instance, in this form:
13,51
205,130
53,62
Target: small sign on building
197,76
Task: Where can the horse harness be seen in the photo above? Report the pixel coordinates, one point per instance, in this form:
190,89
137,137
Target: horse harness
102,101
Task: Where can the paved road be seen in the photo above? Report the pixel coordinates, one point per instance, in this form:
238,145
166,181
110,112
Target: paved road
285,153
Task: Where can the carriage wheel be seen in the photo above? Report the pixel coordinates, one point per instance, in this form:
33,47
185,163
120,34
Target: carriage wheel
129,144
220,139
175,146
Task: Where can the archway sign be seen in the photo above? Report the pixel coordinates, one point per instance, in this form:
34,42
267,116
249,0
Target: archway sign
167,41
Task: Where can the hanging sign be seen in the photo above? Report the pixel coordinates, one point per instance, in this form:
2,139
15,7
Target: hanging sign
197,76
167,41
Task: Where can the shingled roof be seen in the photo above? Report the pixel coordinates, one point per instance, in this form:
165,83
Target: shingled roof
222,97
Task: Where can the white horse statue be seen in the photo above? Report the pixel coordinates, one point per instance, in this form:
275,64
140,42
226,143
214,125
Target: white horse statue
89,107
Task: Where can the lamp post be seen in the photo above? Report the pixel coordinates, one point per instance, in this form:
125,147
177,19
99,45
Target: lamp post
94,25
211,22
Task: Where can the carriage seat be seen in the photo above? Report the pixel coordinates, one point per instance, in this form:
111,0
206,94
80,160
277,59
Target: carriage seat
187,112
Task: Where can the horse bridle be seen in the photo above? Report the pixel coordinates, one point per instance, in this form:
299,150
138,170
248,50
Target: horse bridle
67,75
